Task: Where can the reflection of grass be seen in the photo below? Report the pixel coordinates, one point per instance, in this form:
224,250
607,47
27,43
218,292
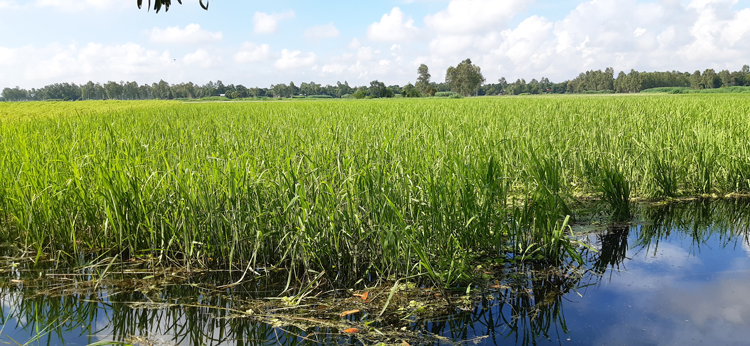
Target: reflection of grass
700,221
167,313
697,220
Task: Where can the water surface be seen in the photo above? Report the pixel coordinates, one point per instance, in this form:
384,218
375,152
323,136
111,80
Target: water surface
677,275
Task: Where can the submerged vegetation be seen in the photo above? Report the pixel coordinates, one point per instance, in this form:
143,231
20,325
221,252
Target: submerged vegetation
351,190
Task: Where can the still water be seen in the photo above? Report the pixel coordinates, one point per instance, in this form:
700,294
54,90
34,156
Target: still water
679,274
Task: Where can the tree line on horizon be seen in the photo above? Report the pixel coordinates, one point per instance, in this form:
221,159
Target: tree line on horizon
465,79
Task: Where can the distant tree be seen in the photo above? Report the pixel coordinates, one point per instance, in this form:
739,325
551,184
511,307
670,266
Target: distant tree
423,79
410,91
343,89
113,90
130,90
711,79
619,82
220,88
91,91
502,84
743,76
465,78
696,82
162,90
518,87
145,92
360,93
253,92
293,89
310,89
593,80
241,90
281,90
158,4
378,89
15,94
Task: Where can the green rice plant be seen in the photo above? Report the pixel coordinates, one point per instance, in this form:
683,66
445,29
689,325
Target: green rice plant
701,177
354,189
615,191
664,175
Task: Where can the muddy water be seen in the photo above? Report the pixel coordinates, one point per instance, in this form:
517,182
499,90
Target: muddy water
679,274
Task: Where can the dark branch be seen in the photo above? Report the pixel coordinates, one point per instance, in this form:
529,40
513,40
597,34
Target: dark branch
166,3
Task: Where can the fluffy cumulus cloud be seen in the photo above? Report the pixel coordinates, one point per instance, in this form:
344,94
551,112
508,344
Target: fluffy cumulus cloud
336,69
191,34
202,58
294,59
393,27
624,34
265,23
322,31
252,53
7,56
365,64
8,4
472,16
355,44
55,63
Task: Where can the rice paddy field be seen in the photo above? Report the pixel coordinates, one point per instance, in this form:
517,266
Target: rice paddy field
353,190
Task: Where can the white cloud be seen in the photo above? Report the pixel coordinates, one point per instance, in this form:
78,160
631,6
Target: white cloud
362,67
294,59
624,34
333,68
528,45
8,4
201,58
265,23
473,16
355,44
192,34
7,56
393,27
450,45
91,62
365,53
322,31
251,53
737,30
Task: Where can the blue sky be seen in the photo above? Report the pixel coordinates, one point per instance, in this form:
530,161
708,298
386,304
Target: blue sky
259,43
